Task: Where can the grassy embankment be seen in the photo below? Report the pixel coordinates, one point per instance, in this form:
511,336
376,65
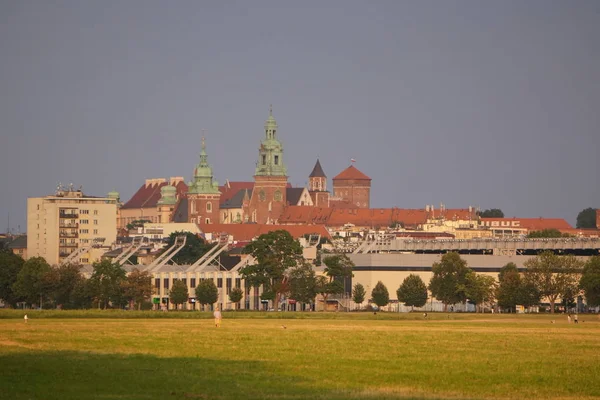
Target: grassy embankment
317,355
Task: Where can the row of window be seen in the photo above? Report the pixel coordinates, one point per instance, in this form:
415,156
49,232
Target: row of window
209,207
87,221
228,282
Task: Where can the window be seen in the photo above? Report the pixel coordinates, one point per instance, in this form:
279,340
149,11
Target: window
219,282
228,284
264,159
95,222
84,231
209,207
276,160
157,283
184,280
95,231
207,220
84,221
193,207
84,260
84,211
238,282
192,282
95,212
166,283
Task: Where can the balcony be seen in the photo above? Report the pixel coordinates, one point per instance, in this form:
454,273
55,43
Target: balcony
71,245
64,234
68,215
68,225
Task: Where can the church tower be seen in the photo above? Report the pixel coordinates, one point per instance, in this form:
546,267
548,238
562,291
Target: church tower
317,186
203,193
270,178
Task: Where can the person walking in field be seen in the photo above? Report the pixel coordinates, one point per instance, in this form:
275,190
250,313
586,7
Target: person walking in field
575,319
25,318
218,317
569,318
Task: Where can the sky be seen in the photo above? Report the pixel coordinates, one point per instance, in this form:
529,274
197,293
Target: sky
492,104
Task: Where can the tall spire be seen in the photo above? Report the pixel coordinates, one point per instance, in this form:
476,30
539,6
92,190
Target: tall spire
202,181
270,157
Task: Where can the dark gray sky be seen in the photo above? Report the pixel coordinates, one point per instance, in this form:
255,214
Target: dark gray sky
491,104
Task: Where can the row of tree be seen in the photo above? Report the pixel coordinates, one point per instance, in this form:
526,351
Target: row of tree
585,219
547,276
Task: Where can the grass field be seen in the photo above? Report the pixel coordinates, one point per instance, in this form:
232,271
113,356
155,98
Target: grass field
317,355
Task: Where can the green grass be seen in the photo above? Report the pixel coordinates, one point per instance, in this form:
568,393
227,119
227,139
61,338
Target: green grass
318,355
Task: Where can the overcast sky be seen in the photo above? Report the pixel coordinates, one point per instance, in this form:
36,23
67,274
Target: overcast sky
493,104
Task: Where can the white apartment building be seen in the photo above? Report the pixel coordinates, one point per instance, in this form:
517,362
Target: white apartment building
70,223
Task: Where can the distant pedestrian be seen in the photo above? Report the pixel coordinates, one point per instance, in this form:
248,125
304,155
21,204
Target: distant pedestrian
218,317
424,315
569,318
575,319
25,318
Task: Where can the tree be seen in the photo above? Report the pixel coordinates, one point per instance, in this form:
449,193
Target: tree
590,281
380,294
105,283
492,213
207,292
138,287
508,292
449,281
178,293
195,247
586,218
413,291
529,295
138,223
235,295
480,289
275,253
338,267
303,283
358,294
62,281
547,233
10,265
553,276
31,284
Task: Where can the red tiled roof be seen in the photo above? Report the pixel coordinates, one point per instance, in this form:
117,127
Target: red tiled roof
305,215
351,173
531,224
247,232
229,190
147,196
454,214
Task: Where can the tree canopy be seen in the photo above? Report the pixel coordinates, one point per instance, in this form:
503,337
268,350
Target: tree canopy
413,291
303,283
138,287
105,283
590,281
492,213
358,293
195,247
31,284
552,275
509,287
380,294
275,253
10,266
235,295
480,289
547,233
586,218
178,294
207,292
449,281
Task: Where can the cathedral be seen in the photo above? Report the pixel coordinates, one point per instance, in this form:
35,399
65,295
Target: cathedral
261,201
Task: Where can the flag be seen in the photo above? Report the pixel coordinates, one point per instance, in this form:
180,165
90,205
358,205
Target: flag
352,160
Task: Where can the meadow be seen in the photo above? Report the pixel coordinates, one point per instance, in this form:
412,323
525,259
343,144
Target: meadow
126,355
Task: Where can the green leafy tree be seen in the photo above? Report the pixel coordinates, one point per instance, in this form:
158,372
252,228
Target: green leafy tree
480,289
31,284
275,253
338,267
138,287
413,291
62,280
195,247
380,295
586,218
179,293
235,295
508,292
303,283
590,281
547,233
138,223
553,276
10,265
82,295
106,284
492,213
207,292
529,295
449,281
358,294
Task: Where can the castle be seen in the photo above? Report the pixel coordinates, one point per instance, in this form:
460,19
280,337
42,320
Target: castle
262,201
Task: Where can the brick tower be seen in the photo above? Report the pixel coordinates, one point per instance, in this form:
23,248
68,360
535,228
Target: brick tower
317,186
270,178
203,193
353,187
